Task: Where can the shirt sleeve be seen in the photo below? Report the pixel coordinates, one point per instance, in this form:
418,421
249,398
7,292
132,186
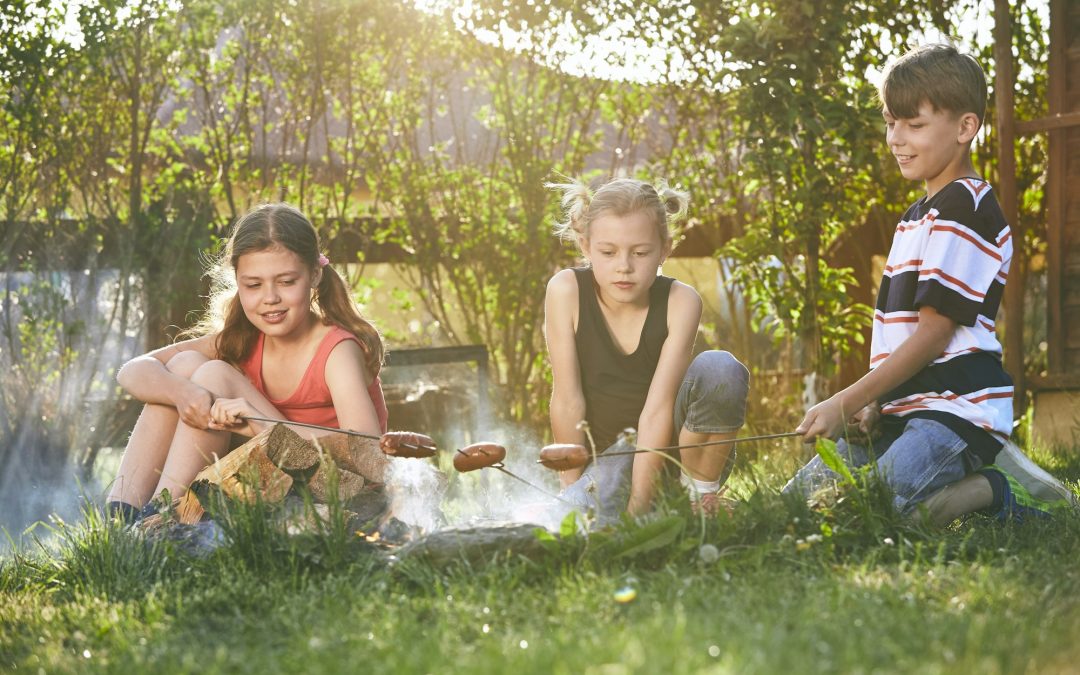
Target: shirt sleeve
958,268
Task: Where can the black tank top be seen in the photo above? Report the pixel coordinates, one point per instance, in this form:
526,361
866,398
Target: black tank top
615,384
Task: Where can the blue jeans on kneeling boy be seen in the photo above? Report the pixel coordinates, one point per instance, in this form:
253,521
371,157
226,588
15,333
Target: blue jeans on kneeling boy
915,459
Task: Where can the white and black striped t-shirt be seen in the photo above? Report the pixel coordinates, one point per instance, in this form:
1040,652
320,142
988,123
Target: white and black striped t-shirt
950,252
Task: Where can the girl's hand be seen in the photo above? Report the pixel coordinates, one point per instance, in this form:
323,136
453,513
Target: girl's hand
826,419
193,404
228,414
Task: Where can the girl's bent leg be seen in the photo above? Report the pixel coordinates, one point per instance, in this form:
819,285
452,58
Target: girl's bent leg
144,456
711,406
193,449
148,445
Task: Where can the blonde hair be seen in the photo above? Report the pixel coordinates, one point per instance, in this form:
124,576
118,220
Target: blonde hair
620,197
265,227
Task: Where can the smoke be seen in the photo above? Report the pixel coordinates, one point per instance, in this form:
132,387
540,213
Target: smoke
431,496
416,491
65,333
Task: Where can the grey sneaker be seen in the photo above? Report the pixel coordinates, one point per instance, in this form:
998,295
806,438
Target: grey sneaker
1034,478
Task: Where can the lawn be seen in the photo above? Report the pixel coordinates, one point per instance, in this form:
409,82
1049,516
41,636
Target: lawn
776,587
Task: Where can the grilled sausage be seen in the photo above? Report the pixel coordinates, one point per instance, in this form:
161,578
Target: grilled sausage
478,455
564,456
407,444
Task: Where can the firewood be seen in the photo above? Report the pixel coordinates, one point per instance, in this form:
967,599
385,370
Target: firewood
359,455
349,484
245,473
290,452
267,466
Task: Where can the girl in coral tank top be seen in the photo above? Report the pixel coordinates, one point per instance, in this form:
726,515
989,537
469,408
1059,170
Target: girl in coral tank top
283,340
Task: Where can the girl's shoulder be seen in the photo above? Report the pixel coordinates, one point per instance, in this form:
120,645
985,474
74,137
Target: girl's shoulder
343,353
683,293
684,302
563,285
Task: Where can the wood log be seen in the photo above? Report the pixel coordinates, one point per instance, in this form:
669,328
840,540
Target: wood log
349,484
359,455
245,473
290,452
268,465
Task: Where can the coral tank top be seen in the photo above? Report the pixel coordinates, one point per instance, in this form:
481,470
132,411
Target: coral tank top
311,402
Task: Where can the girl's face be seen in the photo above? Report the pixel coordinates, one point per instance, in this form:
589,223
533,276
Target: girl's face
275,286
625,252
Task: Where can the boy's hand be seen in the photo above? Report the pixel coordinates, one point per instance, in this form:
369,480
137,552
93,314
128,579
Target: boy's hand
866,420
826,419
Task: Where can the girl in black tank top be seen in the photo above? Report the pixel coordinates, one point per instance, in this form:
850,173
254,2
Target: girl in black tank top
616,384
620,339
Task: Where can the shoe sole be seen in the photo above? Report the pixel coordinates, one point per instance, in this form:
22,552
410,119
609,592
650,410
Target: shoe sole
1033,477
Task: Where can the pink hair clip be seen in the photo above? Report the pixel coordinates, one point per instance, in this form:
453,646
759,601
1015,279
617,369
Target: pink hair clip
323,260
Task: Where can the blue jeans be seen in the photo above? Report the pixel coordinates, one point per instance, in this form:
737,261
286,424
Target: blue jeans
711,400
915,460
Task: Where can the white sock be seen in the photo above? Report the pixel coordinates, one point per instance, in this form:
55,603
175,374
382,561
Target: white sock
695,488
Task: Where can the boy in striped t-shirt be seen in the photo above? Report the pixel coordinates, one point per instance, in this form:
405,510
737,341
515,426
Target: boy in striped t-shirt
936,391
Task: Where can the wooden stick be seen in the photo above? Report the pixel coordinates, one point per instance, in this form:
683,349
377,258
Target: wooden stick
348,432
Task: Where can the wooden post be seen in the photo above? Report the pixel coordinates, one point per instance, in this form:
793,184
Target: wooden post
1055,189
1006,190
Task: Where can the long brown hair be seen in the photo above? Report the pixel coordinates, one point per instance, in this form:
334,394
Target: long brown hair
265,227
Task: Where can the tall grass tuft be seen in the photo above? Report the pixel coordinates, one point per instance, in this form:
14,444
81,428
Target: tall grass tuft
99,555
268,538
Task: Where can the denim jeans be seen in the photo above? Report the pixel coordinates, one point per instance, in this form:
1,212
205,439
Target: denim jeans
711,400
915,460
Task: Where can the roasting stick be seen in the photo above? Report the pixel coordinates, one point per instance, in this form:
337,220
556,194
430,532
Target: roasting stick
728,441
490,456
562,457
348,432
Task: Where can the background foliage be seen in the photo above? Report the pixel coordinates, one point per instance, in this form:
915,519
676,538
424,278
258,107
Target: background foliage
132,146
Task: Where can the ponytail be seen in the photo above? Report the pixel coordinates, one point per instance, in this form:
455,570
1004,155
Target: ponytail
575,201
676,202
336,306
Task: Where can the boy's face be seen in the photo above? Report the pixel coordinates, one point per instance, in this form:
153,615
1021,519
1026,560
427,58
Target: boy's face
933,146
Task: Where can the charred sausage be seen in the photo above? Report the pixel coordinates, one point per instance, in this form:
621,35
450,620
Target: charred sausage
564,456
478,456
407,444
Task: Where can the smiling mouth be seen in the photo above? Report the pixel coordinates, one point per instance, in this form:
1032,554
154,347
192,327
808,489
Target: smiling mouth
274,316
904,158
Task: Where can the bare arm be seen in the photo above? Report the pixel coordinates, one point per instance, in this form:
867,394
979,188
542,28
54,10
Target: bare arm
655,424
925,344
567,398
348,378
147,379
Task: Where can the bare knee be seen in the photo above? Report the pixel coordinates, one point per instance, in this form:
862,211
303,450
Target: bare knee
186,363
217,376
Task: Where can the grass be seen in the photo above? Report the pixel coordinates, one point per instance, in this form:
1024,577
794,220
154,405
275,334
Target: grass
840,588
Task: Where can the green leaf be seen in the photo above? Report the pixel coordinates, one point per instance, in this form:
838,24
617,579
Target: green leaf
652,535
568,527
826,449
